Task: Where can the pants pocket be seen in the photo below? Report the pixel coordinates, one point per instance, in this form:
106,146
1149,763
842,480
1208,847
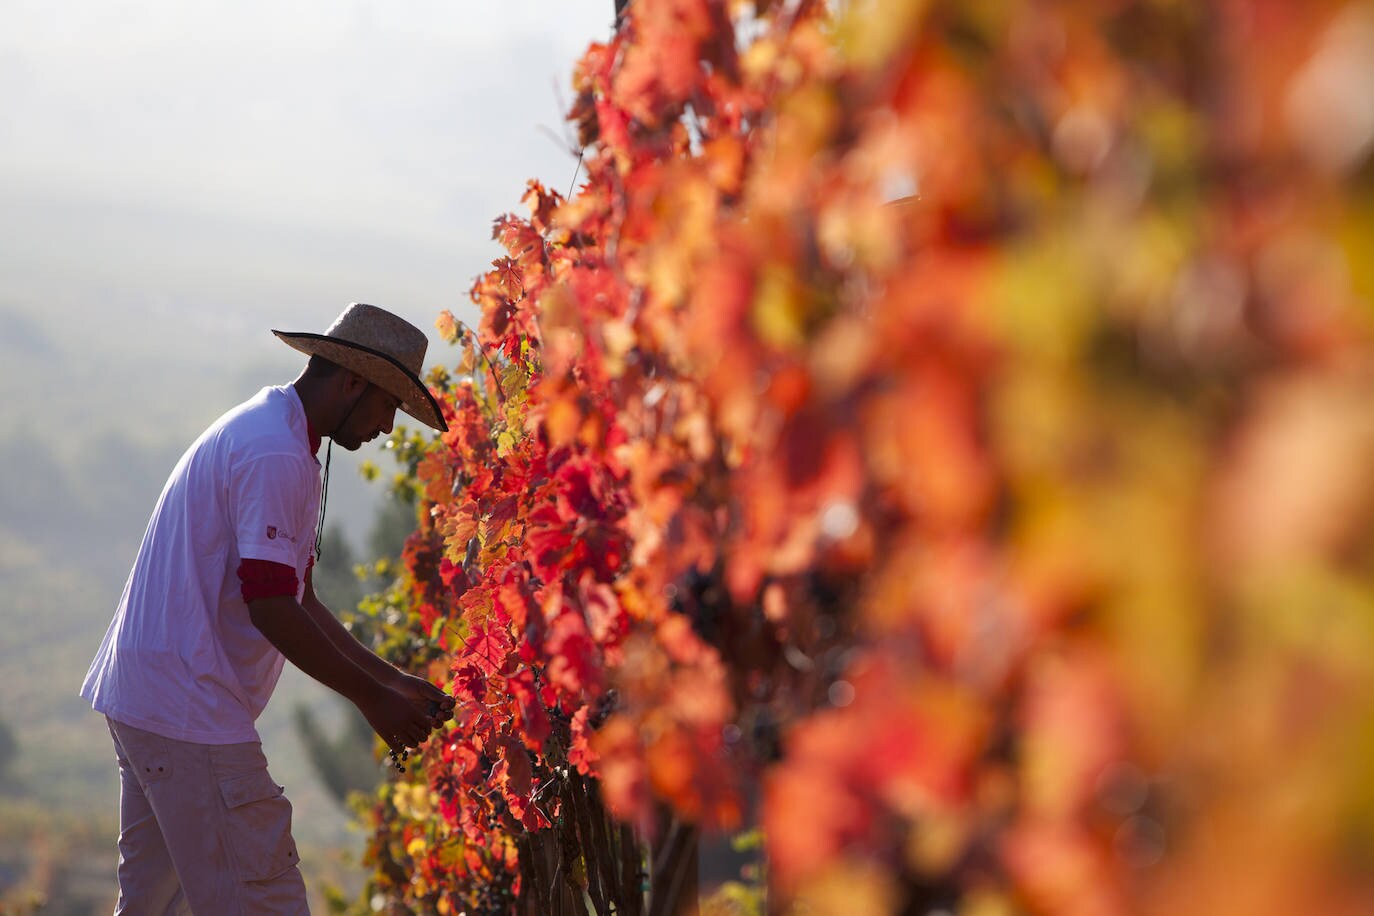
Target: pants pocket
148,761
259,826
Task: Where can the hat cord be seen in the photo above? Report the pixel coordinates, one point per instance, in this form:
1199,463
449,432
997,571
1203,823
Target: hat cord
324,499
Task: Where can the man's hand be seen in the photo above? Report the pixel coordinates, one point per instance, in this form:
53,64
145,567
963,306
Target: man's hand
397,717
436,704
418,698
424,699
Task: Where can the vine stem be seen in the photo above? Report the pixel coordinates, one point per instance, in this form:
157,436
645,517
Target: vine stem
496,379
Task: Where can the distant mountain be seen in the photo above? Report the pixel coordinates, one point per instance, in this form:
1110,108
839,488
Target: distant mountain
93,416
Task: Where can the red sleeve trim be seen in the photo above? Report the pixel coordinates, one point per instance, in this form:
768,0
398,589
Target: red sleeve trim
266,579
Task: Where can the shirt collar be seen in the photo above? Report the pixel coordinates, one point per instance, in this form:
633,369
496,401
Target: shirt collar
312,438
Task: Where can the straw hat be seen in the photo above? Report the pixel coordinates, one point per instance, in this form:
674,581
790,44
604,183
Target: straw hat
383,348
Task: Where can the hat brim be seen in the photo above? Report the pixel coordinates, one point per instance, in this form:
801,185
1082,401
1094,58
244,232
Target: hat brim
381,369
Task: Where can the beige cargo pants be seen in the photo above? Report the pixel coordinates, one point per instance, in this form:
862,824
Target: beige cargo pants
203,830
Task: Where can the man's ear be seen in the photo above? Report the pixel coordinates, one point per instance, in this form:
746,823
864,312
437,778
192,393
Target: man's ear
353,383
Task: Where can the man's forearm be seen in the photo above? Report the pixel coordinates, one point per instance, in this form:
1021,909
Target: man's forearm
400,709
378,668
297,634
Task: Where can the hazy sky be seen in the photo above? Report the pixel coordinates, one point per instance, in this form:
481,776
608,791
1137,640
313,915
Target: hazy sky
217,164
179,176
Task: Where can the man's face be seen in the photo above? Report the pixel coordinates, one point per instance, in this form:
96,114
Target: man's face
372,416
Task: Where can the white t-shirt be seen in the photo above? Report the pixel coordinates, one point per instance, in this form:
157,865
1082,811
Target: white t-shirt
182,658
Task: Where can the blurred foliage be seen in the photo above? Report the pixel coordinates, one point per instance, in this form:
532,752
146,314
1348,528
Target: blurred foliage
953,418
344,762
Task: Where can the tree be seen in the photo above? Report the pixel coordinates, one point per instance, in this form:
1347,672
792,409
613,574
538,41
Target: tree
9,750
335,576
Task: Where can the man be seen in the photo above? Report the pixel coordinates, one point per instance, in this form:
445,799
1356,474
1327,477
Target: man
220,593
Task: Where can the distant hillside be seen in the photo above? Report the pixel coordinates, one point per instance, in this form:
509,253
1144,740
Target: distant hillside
91,421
